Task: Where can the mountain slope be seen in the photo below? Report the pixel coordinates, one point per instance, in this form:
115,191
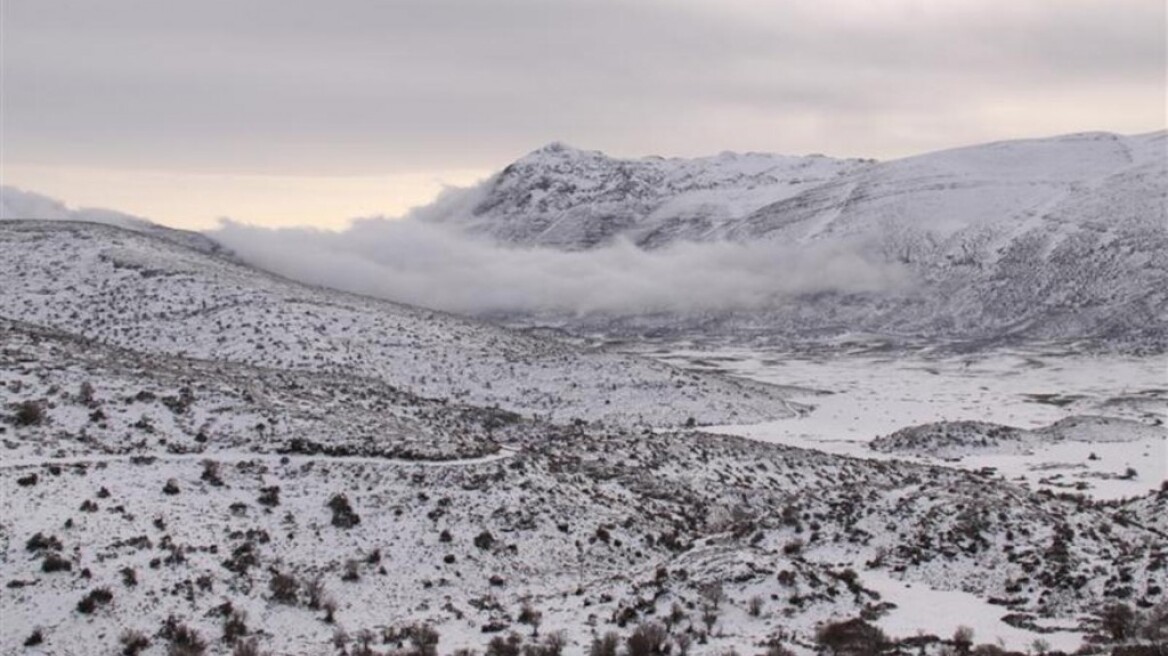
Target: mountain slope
573,199
600,532
138,292
1056,239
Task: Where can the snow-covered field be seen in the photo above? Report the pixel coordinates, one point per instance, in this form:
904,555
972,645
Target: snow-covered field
920,609
853,399
858,398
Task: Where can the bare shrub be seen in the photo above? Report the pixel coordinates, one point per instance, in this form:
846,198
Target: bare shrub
343,514
29,413
648,639
94,599
133,642
754,606
249,647
851,637
234,626
509,645
606,645
284,588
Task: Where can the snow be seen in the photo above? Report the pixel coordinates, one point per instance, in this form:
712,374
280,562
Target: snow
941,612
142,293
869,396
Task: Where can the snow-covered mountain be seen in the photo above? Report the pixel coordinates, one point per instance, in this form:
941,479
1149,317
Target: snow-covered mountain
1061,238
563,197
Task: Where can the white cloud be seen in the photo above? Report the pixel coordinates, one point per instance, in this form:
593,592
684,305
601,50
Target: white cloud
418,261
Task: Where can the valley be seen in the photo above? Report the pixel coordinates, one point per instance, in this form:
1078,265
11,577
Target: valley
203,455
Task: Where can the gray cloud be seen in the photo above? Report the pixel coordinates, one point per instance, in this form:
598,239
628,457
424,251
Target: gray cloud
360,86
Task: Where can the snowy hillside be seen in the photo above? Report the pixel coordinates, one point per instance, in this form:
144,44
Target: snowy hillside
17,204
117,530
137,292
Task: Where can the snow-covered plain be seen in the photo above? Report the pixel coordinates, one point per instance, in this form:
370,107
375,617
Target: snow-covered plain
922,609
857,398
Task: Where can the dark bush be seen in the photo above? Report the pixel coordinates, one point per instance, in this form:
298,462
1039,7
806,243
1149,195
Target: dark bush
552,645
29,413
93,599
35,638
605,645
133,642
186,642
53,562
182,639
284,588
648,639
41,542
853,637
343,515
85,393
530,616
243,558
314,593
250,647
269,496
234,626
211,473
1118,622
511,645
424,639
754,606
352,571
484,540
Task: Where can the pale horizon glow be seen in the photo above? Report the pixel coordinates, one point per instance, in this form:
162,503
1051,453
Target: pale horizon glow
198,201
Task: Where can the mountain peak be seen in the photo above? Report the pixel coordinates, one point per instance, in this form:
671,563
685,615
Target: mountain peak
560,149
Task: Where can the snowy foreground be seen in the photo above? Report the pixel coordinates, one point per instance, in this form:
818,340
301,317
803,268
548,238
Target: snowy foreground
1111,446
191,446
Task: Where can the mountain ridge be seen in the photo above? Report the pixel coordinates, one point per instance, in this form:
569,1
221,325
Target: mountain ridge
1059,238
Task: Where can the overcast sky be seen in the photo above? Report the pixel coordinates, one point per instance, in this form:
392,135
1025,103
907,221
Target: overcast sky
307,111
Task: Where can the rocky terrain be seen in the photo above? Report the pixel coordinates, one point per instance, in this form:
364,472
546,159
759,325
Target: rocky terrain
404,511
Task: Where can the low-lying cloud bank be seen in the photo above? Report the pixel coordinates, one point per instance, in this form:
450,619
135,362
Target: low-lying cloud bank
424,260
418,260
